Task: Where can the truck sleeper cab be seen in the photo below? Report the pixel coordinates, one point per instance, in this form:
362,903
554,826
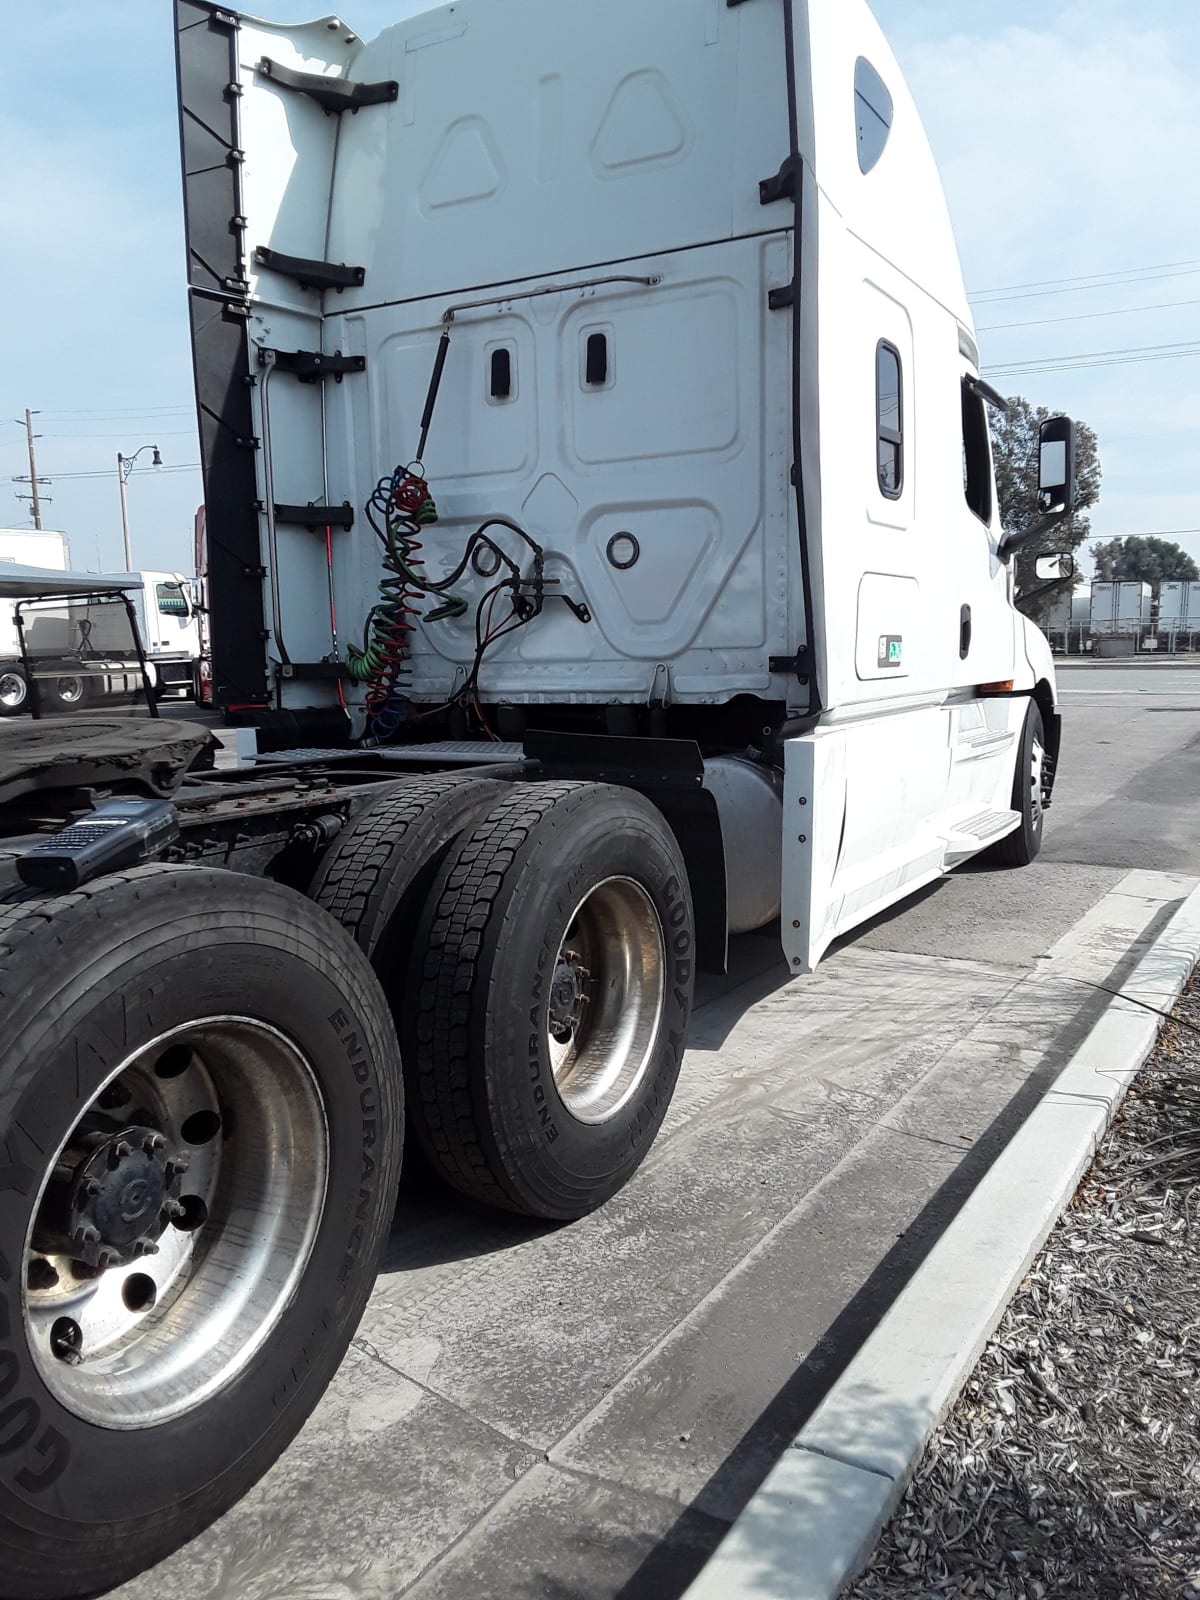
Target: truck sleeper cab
602,536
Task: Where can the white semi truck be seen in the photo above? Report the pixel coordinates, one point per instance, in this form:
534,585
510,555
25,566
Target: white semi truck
602,526
85,660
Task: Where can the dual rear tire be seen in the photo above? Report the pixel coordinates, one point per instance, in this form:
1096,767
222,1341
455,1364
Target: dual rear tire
541,975
201,1120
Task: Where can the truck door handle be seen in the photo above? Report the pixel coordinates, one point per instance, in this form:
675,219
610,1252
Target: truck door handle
964,634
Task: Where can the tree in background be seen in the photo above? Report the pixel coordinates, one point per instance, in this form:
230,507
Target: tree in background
1016,437
1139,560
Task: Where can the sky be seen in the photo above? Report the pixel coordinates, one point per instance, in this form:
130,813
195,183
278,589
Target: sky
1068,133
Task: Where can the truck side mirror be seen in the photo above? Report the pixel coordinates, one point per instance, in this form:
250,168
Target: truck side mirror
1056,475
1056,568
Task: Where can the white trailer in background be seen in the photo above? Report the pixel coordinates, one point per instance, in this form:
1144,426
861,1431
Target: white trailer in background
1178,623
1121,614
1068,621
27,547
607,378
1172,607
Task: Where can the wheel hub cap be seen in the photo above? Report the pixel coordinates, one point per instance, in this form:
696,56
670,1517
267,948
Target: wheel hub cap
175,1222
112,1198
568,996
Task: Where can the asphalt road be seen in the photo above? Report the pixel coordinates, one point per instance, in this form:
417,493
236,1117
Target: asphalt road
1129,784
533,1413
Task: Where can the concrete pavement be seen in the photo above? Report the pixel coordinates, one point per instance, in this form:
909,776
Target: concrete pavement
582,1412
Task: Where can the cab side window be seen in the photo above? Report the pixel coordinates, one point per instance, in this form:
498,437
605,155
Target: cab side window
889,413
977,455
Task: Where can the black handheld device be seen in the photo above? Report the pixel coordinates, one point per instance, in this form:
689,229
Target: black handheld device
121,833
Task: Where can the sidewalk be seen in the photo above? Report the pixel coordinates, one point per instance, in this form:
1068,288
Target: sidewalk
815,1523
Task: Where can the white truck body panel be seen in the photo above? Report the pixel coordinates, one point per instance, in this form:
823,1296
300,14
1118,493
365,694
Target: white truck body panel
628,142
166,613
27,547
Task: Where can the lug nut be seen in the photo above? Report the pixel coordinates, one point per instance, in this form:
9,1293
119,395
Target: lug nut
171,1210
119,1152
89,1187
153,1143
41,1275
106,1259
144,1247
85,1234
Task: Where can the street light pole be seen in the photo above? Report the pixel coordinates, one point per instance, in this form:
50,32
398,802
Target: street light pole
124,468
124,512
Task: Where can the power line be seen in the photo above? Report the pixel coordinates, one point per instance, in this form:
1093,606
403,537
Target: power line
107,472
1121,272
120,411
1082,288
1089,316
1133,356
1128,350
177,433
1089,366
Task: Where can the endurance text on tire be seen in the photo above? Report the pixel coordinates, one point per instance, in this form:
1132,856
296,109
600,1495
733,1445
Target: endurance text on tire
190,1055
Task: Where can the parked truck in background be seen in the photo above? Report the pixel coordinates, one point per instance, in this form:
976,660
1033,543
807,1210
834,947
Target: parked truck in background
601,516
85,657
168,622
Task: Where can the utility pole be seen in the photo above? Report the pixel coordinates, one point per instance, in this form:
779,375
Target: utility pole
33,480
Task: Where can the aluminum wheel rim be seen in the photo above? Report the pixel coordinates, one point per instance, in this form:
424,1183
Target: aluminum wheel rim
1037,779
607,999
13,691
69,690
243,1103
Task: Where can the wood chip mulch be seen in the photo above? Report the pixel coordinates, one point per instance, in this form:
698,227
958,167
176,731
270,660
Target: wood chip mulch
1071,1464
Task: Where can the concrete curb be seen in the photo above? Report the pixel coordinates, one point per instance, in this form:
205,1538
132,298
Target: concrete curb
812,1526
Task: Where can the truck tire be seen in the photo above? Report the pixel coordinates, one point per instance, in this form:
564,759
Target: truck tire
14,692
62,693
376,876
1019,849
205,1058
548,1014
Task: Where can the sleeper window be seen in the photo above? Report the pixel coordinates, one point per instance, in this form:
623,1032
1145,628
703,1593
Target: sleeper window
889,409
977,456
873,111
